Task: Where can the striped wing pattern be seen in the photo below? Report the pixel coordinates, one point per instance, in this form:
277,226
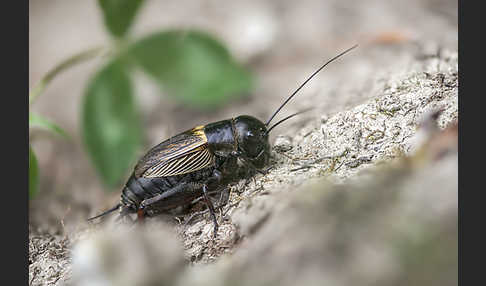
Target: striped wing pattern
179,146
198,159
181,154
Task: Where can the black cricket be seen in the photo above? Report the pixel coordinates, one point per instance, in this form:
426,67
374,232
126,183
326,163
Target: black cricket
194,163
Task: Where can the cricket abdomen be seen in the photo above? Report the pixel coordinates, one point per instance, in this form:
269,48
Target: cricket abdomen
138,189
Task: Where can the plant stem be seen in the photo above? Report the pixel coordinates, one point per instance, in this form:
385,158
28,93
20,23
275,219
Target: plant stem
69,62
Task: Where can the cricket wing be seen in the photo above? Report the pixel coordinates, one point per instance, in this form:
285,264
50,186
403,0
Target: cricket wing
184,153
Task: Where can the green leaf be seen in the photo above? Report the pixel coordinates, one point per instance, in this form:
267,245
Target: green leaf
111,124
119,14
192,66
36,120
33,174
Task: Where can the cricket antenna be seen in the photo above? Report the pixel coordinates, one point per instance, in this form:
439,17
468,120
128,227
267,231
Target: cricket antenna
305,82
288,117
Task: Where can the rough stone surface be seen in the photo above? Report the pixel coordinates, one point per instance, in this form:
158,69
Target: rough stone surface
398,227
49,259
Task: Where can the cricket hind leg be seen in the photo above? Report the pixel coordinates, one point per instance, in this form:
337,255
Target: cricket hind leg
223,200
179,195
172,198
211,209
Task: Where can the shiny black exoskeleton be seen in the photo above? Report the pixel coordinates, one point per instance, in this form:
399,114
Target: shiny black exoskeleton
243,138
193,163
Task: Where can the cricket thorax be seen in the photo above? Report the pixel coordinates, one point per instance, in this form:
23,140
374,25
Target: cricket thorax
220,137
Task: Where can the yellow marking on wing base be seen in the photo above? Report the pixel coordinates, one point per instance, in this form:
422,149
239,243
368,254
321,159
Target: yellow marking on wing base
199,131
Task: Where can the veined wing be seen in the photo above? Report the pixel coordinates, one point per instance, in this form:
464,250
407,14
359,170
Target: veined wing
184,153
